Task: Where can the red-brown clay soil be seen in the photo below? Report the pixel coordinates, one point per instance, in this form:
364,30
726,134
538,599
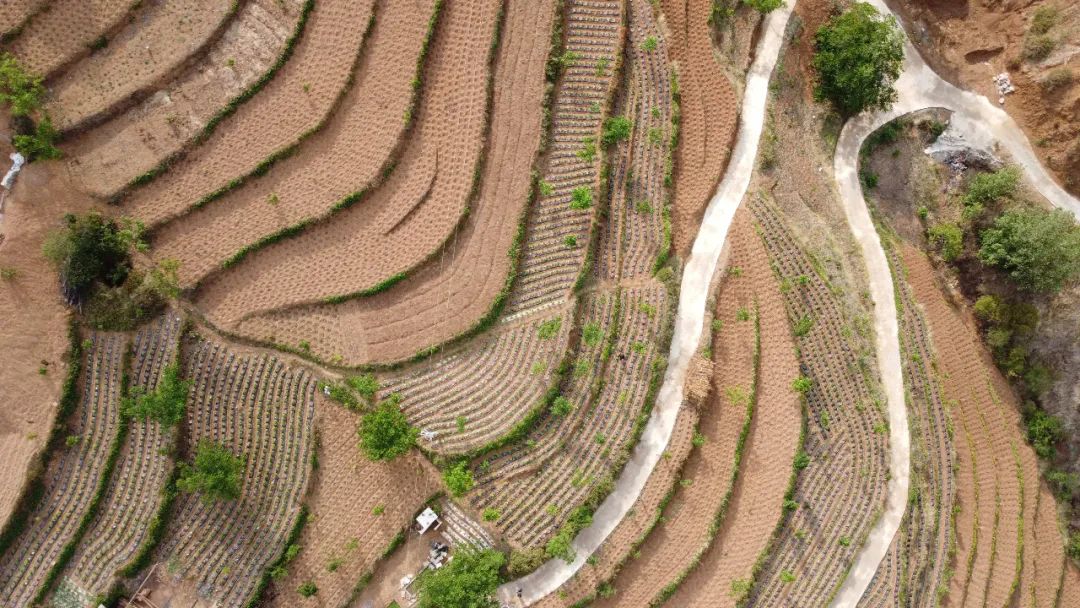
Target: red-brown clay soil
64,33
110,155
33,319
970,42
346,523
137,59
346,157
989,437
15,12
405,220
450,292
709,116
299,98
765,471
672,546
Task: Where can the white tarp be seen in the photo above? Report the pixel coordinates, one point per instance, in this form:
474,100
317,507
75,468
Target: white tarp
18,161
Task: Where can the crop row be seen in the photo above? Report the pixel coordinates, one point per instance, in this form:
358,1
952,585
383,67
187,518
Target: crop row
137,60
534,506
263,412
135,492
72,477
462,530
66,32
837,504
561,218
469,398
149,137
235,144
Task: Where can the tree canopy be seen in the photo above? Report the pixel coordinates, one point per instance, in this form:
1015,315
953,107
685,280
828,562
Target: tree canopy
91,249
21,90
165,403
458,478
216,473
858,56
1040,250
468,581
385,433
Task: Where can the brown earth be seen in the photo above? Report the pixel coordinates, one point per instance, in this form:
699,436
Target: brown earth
709,116
33,333
992,437
63,34
970,42
348,490
711,469
167,35
404,220
299,98
110,155
15,12
347,156
446,295
757,500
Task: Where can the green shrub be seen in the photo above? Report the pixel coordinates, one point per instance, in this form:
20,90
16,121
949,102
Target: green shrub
1059,78
1039,250
550,328
561,406
1045,18
649,44
491,514
39,145
21,90
525,561
216,473
764,6
307,589
91,250
581,198
468,581
1043,430
1037,48
616,129
385,433
1064,484
948,239
858,56
366,385
801,384
459,478
989,308
165,403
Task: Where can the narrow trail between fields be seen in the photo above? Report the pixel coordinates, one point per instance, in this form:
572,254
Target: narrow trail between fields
918,88
688,325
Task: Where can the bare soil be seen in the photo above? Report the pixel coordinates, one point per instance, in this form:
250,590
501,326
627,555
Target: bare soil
299,99
357,507
165,34
970,42
63,34
446,295
33,334
106,158
403,221
709,108
757,501
347,156
15,12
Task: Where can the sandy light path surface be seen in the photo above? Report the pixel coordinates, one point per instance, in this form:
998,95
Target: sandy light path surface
299,99
107,157
918,87
688,325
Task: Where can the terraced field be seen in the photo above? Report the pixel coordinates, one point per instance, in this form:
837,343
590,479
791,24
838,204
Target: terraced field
73,477
224,548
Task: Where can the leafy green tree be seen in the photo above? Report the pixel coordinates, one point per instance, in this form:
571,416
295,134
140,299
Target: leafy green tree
468,581
1043,430
216,473
764,6
858,56
949,240
1040,250
616,129
91,249
165,404
385,433
988,189
459,478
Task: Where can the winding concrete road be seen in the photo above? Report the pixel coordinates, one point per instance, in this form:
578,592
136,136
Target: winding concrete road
918,88
688,324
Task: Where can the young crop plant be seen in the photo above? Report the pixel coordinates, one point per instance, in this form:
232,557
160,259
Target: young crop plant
570,241
385,433
587,152
801,384
649,44
592,334
491,514
561,406
581,198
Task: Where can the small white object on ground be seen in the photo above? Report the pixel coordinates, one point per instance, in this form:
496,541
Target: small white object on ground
18,160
